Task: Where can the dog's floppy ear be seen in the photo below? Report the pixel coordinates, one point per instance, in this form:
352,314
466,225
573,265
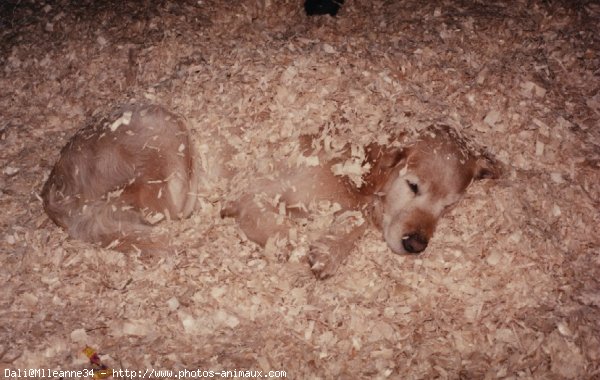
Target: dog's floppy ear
388,158
487,167
382,160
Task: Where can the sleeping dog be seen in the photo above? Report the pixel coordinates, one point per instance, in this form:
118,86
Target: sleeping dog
119,176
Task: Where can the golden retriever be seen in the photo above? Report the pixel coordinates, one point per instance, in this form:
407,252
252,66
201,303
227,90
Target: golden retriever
117,177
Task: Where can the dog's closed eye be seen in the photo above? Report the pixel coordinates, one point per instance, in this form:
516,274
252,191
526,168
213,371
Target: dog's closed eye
413,187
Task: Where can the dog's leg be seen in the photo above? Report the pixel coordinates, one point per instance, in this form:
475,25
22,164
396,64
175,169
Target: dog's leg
259,222
331,250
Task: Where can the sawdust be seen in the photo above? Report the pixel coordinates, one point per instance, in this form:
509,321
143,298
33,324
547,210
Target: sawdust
509,286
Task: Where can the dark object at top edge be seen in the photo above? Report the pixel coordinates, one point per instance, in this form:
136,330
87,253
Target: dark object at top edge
321,7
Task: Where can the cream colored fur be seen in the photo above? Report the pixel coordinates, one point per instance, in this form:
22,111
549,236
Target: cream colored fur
118,176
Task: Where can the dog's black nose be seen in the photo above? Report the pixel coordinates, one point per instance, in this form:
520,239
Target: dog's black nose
414,243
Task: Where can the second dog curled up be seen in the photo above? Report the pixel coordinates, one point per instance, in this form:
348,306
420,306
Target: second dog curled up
119,176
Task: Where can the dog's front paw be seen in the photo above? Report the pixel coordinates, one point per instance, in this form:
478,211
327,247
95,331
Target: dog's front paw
323,262
231,209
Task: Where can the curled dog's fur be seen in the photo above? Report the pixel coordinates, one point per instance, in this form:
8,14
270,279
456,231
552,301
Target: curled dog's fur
117,177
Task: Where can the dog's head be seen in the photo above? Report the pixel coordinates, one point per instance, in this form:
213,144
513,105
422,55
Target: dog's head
414,186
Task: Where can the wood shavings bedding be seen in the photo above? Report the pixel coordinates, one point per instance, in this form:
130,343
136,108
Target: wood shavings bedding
508,286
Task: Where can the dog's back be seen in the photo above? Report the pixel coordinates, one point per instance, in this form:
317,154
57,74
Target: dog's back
118,176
